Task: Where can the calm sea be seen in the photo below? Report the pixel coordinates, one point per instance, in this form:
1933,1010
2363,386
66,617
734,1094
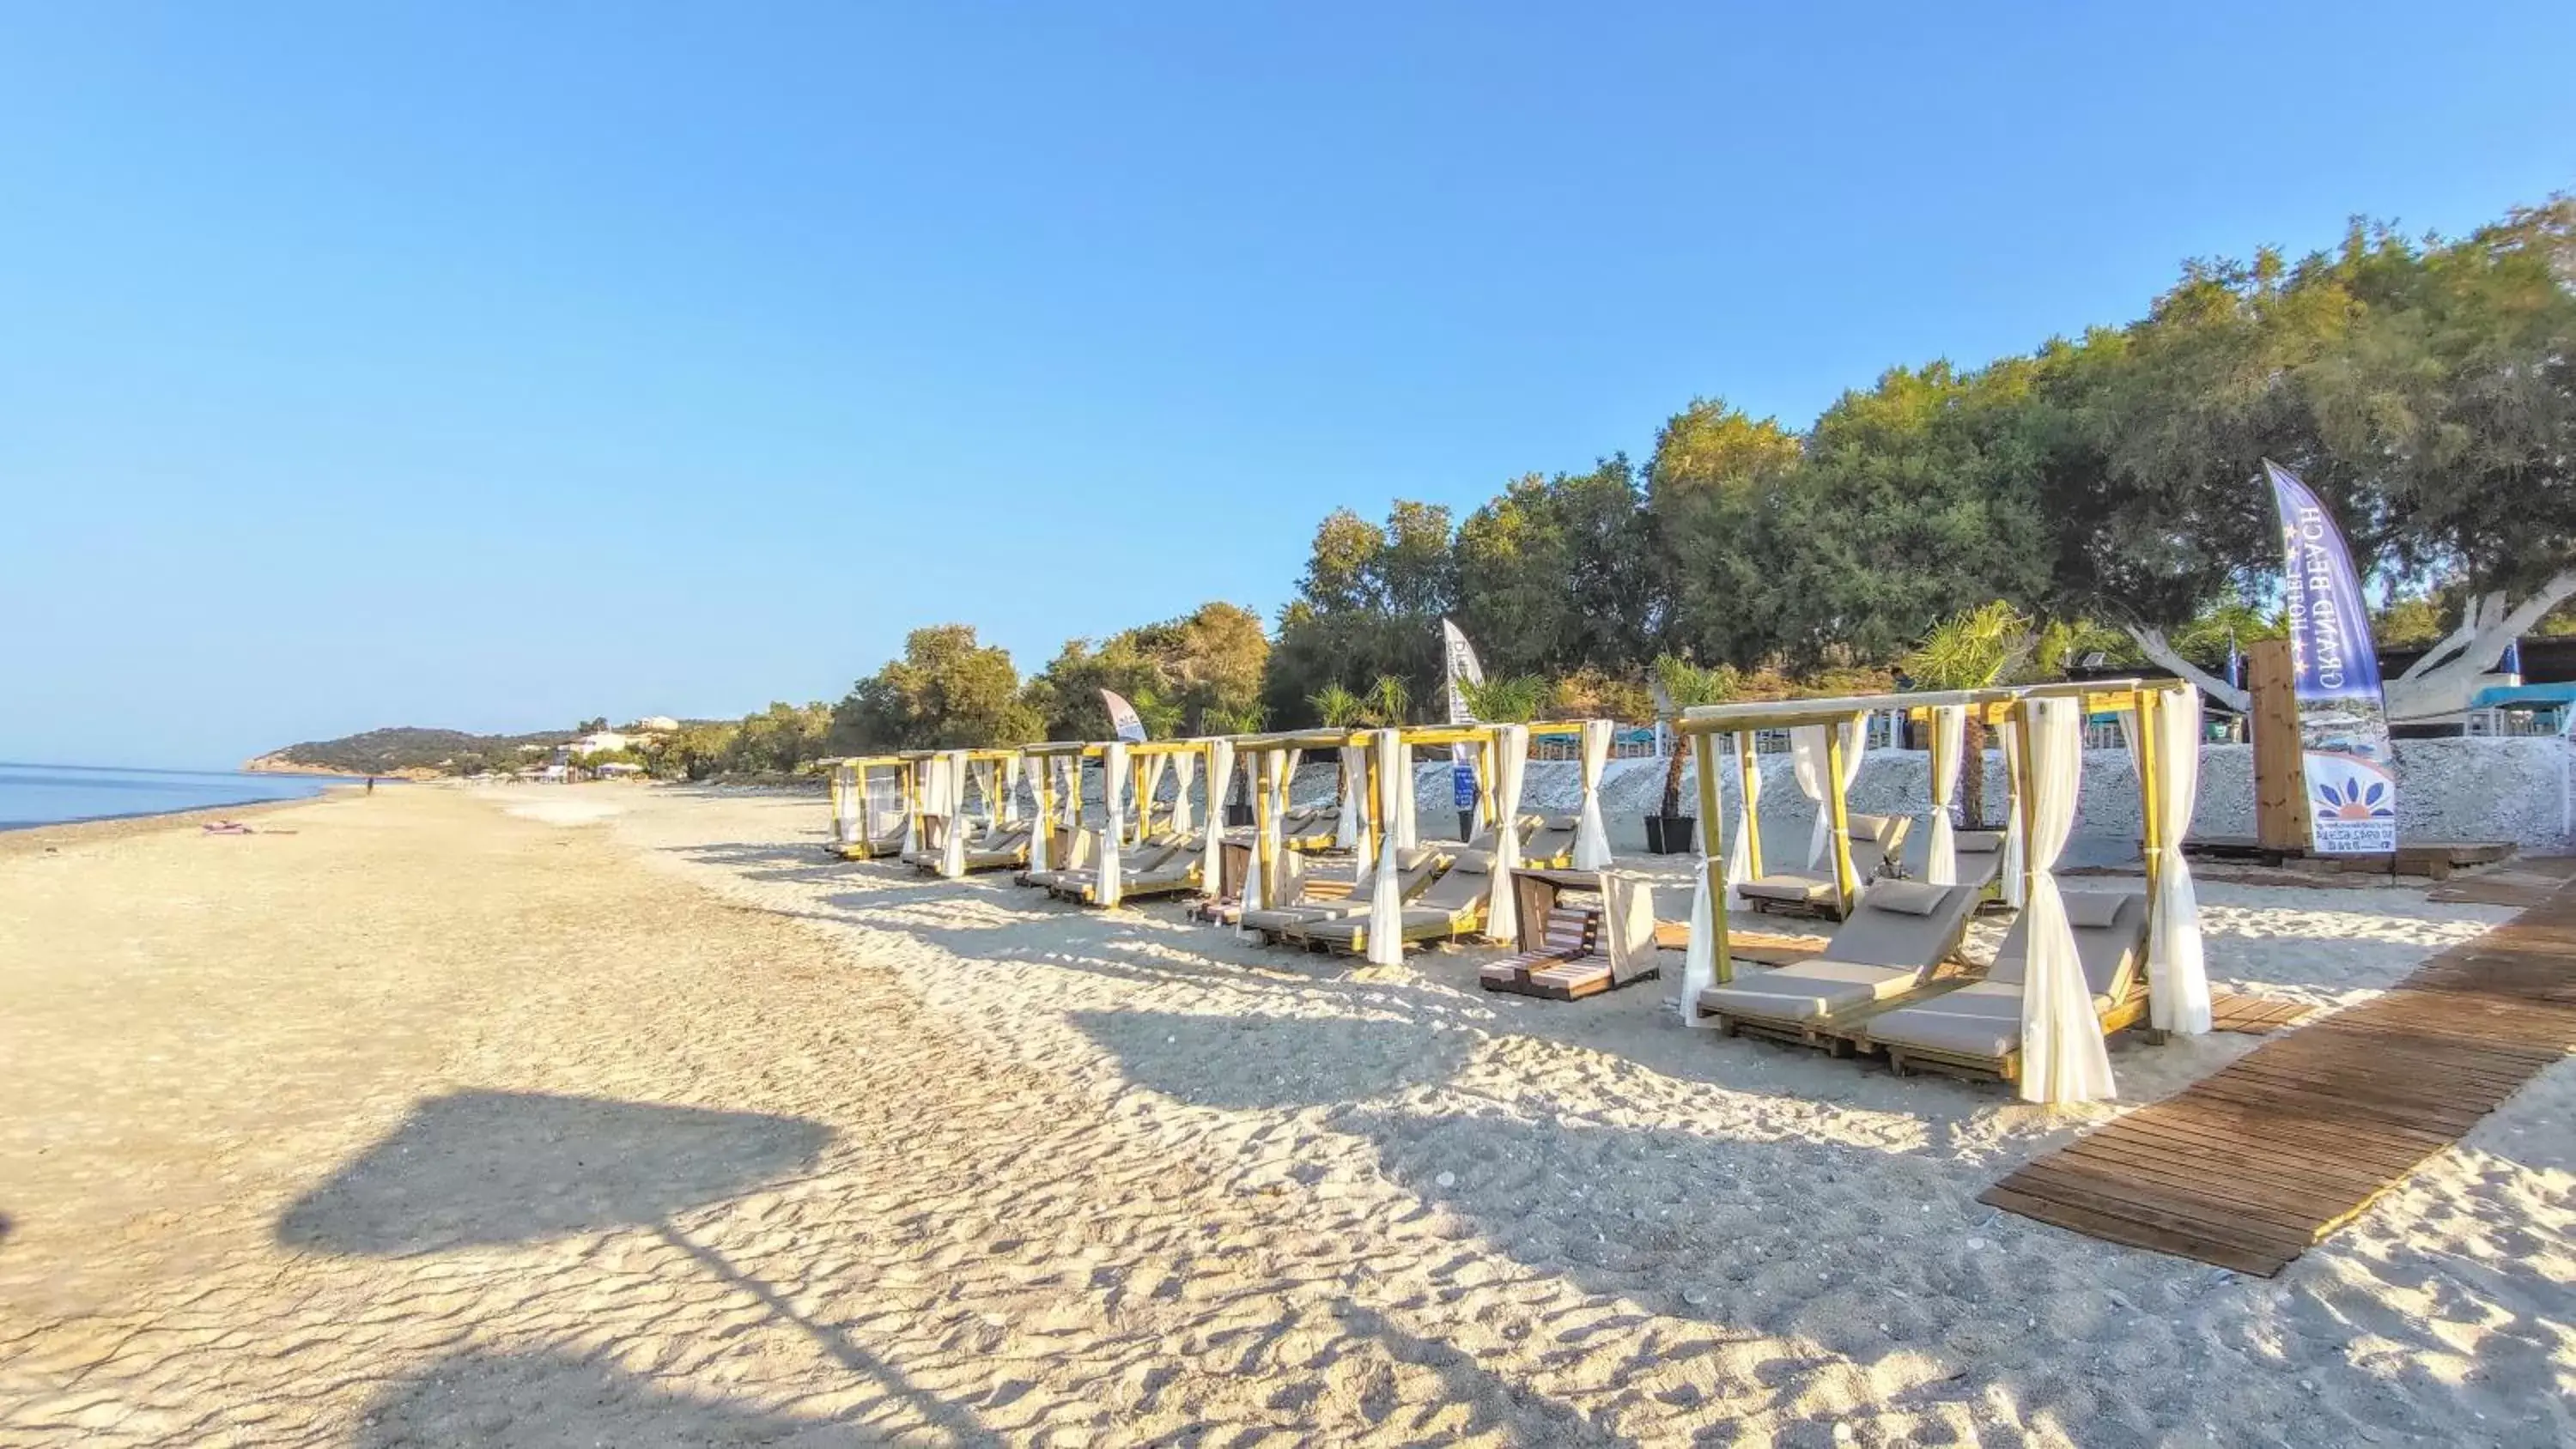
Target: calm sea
53,794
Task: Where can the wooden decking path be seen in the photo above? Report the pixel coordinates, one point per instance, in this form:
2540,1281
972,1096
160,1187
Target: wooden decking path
2251,1166
2256,1015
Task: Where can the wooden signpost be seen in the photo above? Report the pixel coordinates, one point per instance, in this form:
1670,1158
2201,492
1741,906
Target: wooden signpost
2280,778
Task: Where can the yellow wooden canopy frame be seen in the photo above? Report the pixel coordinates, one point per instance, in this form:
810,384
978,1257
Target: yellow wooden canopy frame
2007,707
859,767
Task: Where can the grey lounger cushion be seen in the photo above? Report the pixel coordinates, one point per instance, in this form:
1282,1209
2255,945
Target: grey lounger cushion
1807,991
1984,1019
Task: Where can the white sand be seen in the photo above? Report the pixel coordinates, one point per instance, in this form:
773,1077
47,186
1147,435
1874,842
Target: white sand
1028,1172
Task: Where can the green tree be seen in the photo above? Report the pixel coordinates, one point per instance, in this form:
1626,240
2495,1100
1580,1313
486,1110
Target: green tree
947,692
1178,673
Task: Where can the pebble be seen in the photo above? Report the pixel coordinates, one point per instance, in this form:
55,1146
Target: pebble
1447,1179
1976,1245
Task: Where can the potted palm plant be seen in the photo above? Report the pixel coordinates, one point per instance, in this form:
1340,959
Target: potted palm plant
1974,649
1337,708
1680,685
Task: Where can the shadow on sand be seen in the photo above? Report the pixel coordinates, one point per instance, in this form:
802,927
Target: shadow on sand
480,1168
551,1400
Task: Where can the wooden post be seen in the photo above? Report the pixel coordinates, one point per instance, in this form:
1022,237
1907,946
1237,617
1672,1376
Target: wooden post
2150,706
1838,810
1265,777
1712,846
1748,766
1044,788
2280,774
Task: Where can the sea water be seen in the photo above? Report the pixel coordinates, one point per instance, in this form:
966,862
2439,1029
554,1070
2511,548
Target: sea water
53,794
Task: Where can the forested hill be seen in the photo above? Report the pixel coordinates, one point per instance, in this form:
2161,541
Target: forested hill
403,750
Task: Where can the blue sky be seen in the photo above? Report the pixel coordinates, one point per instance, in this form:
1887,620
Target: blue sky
496,366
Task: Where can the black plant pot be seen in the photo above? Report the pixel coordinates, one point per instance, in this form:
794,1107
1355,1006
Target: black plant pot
1670,834
1237,815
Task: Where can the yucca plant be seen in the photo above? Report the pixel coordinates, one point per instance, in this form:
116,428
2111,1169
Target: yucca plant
1514,700
1387,703
1337,707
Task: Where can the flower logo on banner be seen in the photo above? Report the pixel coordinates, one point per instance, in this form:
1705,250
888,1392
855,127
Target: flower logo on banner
2358,799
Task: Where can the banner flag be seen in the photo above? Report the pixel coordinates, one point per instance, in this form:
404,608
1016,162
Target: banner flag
1122,717
2343,719
1461,666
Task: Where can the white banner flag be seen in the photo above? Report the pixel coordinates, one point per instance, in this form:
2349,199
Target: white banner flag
1122,717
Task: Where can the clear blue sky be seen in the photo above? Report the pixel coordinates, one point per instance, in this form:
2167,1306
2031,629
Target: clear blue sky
494,366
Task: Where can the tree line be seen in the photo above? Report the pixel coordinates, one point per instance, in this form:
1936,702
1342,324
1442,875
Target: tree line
2101,491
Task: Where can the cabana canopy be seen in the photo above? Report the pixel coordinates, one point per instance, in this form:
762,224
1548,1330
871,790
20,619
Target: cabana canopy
2062,1052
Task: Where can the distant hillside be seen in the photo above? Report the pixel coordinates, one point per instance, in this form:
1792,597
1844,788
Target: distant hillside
406,750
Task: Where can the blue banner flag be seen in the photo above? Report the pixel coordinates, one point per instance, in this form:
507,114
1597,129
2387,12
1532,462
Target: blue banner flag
2343,721
2511,663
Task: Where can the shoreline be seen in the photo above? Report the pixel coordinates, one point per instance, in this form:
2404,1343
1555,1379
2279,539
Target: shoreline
54,835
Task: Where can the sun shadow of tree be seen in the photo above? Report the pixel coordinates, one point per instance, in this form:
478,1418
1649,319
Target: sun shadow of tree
472,1168
545,1399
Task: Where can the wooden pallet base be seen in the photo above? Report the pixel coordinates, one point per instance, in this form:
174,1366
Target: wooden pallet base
2430,860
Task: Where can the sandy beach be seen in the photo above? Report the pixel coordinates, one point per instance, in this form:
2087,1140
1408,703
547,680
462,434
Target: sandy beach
622,1115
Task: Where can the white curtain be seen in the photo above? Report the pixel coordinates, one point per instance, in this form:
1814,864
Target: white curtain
1511,761
1591,836
1151,785
1010,813
1699,962
1949,734
1220,770
952,835
1185,773
1807,758
1386,905
2014,892
1855,742
988,783
911,783
848,805
1288,779
1748,819
2062,1056
1346,831
2177,976
1113,835
1406,833
1041,770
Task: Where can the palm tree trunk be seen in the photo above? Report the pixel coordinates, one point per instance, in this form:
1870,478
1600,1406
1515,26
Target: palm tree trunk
1673,778
1972,779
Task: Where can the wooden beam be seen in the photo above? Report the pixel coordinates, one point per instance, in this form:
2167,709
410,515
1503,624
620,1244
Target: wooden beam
1712,847
2280,774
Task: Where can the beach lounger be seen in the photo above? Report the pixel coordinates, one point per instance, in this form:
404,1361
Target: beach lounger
1452,905
1177,873
1416,868
1875,842
1980,856
1897,937
1551,845
1310,829
887,841
1975,1029
1001,849
1136,862
1567,937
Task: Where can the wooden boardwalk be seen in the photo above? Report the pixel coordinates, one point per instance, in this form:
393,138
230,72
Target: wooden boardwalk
2251,1166
2256,1015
